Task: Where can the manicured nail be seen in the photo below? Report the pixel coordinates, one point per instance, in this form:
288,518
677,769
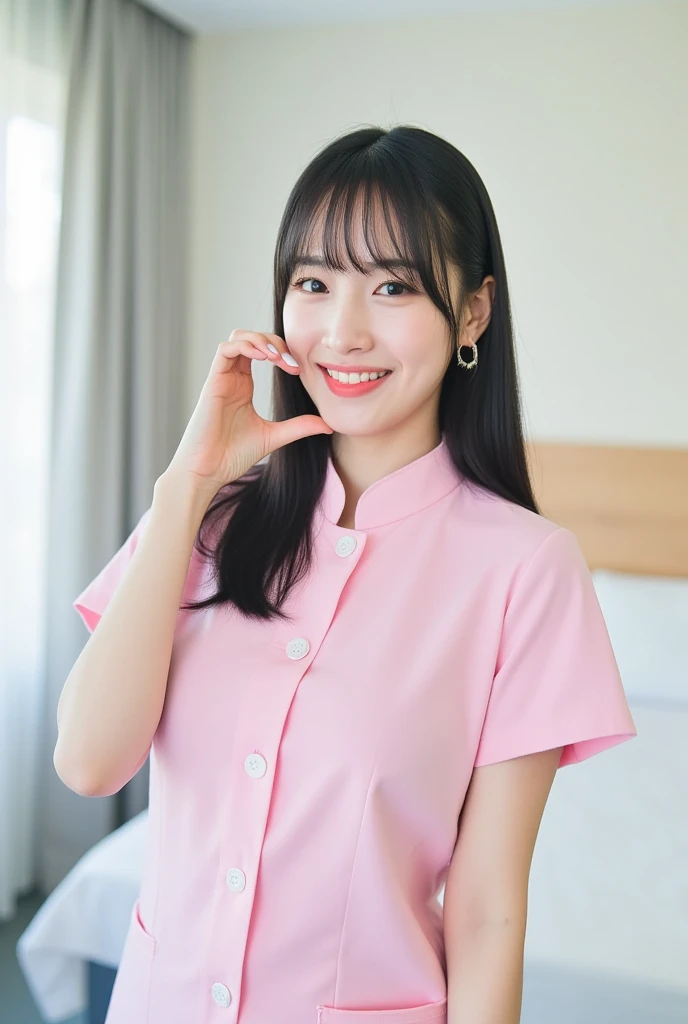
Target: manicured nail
289,359
272,348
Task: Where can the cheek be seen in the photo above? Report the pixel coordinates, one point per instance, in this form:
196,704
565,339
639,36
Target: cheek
300,329
288,319
419,344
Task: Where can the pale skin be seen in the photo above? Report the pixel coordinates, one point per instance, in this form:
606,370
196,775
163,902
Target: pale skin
486,893
350,318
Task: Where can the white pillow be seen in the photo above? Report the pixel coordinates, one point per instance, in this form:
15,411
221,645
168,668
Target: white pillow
647,620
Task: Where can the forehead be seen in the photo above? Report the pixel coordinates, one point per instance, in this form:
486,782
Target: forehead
354,235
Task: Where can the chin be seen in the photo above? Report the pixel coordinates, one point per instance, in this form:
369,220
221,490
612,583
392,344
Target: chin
358,429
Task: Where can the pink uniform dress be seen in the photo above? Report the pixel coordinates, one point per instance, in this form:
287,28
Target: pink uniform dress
306,777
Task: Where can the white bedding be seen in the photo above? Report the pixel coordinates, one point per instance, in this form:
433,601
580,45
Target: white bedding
86,917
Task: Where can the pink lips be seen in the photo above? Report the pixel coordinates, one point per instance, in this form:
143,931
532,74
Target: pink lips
352,390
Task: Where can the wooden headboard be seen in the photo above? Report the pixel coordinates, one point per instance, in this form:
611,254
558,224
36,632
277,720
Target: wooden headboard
627,506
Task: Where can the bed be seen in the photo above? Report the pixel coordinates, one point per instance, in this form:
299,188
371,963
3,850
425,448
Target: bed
607,937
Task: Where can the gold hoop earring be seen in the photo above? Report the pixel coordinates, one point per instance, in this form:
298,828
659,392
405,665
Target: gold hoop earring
462,362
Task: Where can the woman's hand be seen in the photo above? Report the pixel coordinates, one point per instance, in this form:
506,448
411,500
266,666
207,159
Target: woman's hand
225,435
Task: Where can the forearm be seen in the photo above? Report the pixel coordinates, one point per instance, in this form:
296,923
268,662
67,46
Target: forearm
485,977
112,700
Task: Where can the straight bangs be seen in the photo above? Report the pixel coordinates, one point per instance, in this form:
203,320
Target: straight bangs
405,231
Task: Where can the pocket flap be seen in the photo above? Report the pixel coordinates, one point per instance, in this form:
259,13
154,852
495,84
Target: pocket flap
435,1012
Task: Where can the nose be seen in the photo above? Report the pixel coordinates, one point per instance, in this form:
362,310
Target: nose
348,330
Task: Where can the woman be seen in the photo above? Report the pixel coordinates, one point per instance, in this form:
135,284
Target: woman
357,665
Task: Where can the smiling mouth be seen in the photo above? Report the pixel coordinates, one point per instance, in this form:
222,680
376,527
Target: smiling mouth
349,388
355,377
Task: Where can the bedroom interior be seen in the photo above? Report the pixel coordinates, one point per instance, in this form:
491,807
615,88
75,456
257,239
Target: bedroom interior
569,108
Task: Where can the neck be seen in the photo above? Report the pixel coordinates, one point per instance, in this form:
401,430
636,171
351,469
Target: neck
361,460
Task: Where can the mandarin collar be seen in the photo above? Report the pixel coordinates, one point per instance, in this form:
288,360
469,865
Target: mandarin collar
401,493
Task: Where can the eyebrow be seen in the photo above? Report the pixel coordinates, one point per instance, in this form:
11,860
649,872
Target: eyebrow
392,264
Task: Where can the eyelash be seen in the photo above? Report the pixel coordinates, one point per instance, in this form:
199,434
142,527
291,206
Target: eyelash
401,284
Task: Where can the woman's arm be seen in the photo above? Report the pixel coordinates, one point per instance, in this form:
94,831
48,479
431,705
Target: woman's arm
486,893
112,701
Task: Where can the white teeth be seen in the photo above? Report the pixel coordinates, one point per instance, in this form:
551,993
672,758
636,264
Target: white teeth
356,378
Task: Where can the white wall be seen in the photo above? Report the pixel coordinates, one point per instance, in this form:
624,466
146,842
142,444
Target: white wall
577,122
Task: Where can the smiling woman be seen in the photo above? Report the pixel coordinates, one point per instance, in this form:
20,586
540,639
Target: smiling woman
347,745
388,258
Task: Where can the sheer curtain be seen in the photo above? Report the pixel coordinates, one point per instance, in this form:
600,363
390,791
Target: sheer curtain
94,138
33,69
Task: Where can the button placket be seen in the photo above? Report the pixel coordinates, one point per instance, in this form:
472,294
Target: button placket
295,648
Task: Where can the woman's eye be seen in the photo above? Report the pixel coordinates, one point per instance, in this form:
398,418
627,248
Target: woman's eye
394,284
305,280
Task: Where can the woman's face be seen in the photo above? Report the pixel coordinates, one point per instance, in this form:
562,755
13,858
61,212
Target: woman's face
365,323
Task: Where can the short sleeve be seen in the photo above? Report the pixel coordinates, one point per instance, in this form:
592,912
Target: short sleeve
556,680
93,600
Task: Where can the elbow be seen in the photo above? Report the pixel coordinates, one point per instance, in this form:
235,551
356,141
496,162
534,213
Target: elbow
94,779
80,782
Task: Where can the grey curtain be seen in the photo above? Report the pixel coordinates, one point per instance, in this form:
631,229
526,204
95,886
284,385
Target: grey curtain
119,347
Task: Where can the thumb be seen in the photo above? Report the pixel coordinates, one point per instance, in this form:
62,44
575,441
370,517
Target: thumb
285,431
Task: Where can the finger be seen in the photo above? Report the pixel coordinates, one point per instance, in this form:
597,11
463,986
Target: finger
255,338
272,346
228,351
285,431
282,354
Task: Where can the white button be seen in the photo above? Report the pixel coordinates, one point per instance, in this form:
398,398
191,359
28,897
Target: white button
256,766
298,648
236,879
345,545
221,994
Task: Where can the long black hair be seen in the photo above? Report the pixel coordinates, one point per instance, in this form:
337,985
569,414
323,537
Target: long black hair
263,522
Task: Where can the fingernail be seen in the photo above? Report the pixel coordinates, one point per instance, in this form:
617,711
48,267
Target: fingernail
289,359
272,348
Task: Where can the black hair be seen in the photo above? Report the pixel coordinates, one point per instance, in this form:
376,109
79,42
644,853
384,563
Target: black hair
264,543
